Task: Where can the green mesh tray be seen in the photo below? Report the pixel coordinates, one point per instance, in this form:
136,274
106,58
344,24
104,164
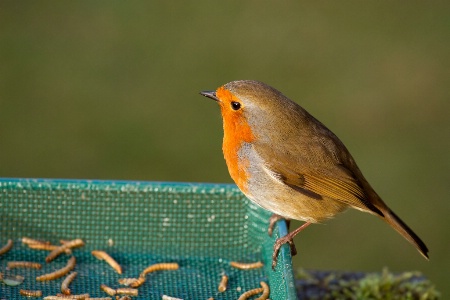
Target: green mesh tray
200,226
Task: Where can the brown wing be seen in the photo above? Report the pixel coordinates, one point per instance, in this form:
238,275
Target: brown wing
318,185
317,171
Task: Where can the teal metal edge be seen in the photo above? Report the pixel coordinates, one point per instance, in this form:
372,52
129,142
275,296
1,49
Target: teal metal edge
116,182
288,271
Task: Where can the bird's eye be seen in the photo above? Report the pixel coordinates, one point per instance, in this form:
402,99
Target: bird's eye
235,105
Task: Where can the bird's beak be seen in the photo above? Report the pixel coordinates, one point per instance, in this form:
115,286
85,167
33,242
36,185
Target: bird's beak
210,94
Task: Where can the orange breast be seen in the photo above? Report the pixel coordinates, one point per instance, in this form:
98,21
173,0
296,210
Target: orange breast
237,131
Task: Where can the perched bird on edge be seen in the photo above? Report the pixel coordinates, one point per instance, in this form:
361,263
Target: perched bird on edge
289,163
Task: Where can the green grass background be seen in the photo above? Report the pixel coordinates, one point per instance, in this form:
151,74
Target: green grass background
109,90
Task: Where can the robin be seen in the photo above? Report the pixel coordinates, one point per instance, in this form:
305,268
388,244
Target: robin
289,163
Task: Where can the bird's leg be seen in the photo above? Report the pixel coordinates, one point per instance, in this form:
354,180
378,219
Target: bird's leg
275,218
289,238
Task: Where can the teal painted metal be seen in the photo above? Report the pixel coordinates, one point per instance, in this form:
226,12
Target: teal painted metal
201,226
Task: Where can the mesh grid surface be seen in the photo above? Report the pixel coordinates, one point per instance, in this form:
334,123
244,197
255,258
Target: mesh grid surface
202,227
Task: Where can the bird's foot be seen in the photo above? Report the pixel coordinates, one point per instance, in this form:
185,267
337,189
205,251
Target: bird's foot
288,238
276,248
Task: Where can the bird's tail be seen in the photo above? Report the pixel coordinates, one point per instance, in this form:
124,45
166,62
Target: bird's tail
392,219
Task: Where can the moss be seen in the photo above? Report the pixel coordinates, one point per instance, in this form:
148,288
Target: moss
358,285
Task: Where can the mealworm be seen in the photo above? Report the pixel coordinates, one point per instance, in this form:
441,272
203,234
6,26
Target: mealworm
127,291
65,284
59,273
127,281
140,281
77,297
69,245
7,247
71,297
23,264
165,297
102,255
28,241
223,284
160,267
30,293
245,266
80,297
124,298
47,247
250,293
74,243
12,280
42,246
108,290
266,291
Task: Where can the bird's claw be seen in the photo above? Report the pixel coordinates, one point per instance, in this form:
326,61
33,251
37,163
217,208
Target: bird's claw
276,248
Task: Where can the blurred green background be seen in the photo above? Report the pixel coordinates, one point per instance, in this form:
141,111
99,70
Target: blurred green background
109,90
